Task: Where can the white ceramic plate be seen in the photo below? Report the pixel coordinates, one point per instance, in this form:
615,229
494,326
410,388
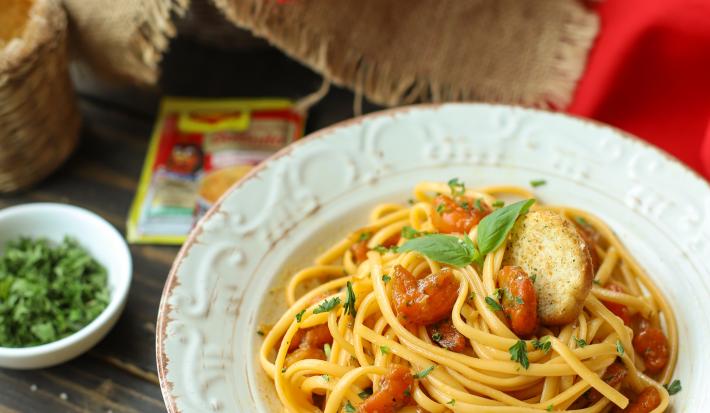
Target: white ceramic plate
226,279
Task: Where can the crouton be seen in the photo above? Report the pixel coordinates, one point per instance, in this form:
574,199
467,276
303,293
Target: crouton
547,246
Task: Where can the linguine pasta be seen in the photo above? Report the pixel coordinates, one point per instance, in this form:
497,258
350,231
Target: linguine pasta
338,344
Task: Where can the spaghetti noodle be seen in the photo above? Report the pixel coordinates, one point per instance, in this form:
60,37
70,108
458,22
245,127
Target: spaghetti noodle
387,328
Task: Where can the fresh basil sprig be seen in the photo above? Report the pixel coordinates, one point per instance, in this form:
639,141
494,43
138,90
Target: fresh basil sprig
445,249
494,228
492,231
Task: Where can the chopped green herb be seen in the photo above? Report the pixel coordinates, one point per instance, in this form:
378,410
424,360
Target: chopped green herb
384,350
518,352
519,300
544,345
349,306
327,305
581,221
326,377
596,282
477,204
674,387
493,304
48,291
440,208
410,201
581,343
465,205
498,204
259,332
386,278
299,316
364,236
549,408
457,187
365,394
451,402
537,182
326,350
409,232
283,370
424,372
533,278
619,347
349,408
407,392
437,336
471,296
381,249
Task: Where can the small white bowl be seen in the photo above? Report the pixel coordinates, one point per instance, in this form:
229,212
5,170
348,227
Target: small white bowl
102,241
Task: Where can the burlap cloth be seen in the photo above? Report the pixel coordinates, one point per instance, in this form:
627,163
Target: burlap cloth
392,51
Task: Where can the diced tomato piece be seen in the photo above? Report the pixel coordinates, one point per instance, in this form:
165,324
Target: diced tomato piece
447,336
646,401
392,241
359,251
304,353
652,345
519,300
451,216
613,376
618,309
395,392
426,300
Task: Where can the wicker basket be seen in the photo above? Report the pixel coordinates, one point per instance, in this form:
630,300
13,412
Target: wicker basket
39,118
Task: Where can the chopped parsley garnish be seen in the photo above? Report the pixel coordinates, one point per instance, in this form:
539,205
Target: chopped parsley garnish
549,408
349,306
537,182
364,236
299,316
384,350
437,336
457,187
596,282
518,352
544,345
283,370
581,221
533,278
365,394
493,304
410,201
451,402
325,377
259,332
407,392
477,204
48,291
349,408
580,342
674,387
424,372
519,300
326,350
327,305
498,204
381,249
386,278
409,232
619,347
465,205
440,208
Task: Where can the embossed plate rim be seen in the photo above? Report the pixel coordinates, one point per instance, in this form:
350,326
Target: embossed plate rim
172,281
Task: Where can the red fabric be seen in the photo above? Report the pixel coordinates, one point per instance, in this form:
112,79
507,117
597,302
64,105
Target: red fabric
649,74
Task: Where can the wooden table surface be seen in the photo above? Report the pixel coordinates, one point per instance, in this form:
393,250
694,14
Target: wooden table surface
119,374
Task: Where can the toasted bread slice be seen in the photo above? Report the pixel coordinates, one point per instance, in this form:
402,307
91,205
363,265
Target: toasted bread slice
547,245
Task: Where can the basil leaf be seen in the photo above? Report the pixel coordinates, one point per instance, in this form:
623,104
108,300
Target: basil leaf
494,228
445,249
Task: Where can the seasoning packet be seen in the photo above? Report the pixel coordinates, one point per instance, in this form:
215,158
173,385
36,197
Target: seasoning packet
198,149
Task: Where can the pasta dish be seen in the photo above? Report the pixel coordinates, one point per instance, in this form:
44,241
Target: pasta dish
459,301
